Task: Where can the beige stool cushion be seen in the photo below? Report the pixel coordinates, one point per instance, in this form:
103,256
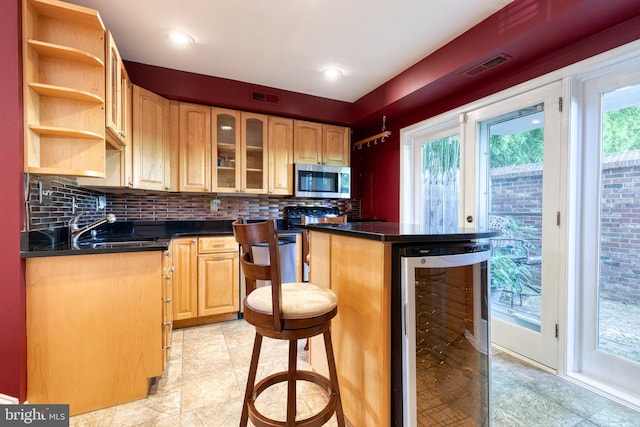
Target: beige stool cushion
299,300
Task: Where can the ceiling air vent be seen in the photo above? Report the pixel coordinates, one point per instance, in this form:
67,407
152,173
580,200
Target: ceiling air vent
265,97
486,65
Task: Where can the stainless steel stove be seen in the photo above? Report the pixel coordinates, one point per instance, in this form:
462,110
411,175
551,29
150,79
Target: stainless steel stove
292,213
292,220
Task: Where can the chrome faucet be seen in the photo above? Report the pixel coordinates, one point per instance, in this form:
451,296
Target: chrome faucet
75,232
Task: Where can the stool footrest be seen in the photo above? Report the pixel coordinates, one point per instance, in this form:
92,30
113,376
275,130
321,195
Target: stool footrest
318,419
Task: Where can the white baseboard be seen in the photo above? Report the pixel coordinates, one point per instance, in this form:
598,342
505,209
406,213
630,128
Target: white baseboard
8,400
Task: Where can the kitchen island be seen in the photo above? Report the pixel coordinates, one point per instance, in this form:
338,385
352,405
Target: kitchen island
361,263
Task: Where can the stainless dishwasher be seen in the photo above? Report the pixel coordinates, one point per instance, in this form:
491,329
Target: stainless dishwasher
445,334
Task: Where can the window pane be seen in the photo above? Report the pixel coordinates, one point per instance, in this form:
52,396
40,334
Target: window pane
516,146
440,183
619,277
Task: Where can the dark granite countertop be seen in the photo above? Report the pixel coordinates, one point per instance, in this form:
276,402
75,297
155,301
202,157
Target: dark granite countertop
402,233
153,235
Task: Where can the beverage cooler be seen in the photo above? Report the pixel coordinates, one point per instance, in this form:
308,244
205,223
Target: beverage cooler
440,338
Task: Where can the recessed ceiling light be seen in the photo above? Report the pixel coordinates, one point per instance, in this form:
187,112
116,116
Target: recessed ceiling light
332,73
180,38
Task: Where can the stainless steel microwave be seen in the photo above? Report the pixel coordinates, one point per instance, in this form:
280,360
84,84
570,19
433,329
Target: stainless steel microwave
329,182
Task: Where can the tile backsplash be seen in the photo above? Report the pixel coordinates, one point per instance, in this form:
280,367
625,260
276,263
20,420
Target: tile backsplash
54,200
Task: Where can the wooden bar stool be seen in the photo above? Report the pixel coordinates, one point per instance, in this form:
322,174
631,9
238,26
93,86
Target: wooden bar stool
285,311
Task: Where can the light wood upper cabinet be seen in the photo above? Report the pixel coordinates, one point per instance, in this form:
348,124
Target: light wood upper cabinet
118,159
151,141
64,89
118,111
336,145
229,151
280,150
226,150
321,144
254,161
195,148
240,147
307,142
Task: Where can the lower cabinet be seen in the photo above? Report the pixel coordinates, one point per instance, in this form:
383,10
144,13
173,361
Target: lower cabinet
205,279
93,328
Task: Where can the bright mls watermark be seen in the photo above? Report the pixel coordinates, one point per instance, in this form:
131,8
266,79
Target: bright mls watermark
34,415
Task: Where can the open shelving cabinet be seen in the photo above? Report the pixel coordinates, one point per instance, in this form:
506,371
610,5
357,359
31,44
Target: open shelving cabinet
64,89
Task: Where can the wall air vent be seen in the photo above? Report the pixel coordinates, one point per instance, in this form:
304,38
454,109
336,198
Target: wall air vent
487,65
265,97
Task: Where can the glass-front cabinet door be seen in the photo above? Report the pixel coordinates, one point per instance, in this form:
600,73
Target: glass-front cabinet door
254,155
226,150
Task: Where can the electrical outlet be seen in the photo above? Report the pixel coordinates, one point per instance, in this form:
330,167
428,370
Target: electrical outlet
215,205
44,193
101,203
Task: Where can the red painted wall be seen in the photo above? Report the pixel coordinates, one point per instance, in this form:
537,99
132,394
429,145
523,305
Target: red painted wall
539,35
12,289
201,89
525,30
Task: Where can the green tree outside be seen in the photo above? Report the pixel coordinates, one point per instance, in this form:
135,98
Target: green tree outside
620,129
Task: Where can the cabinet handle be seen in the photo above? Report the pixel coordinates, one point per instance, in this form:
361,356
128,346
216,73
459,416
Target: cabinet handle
167,188
168,323
167,300
218,245
167,347
123,134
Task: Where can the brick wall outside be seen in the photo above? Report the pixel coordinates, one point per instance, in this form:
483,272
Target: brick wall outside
517,193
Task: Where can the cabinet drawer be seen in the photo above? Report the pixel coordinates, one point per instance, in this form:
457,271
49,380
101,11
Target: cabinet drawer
217,244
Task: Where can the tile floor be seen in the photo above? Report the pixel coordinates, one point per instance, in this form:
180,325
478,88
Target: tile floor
207,373
524,396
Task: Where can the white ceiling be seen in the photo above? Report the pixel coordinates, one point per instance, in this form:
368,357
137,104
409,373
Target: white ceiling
285,44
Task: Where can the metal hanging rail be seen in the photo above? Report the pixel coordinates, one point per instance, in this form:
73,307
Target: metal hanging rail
381,136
